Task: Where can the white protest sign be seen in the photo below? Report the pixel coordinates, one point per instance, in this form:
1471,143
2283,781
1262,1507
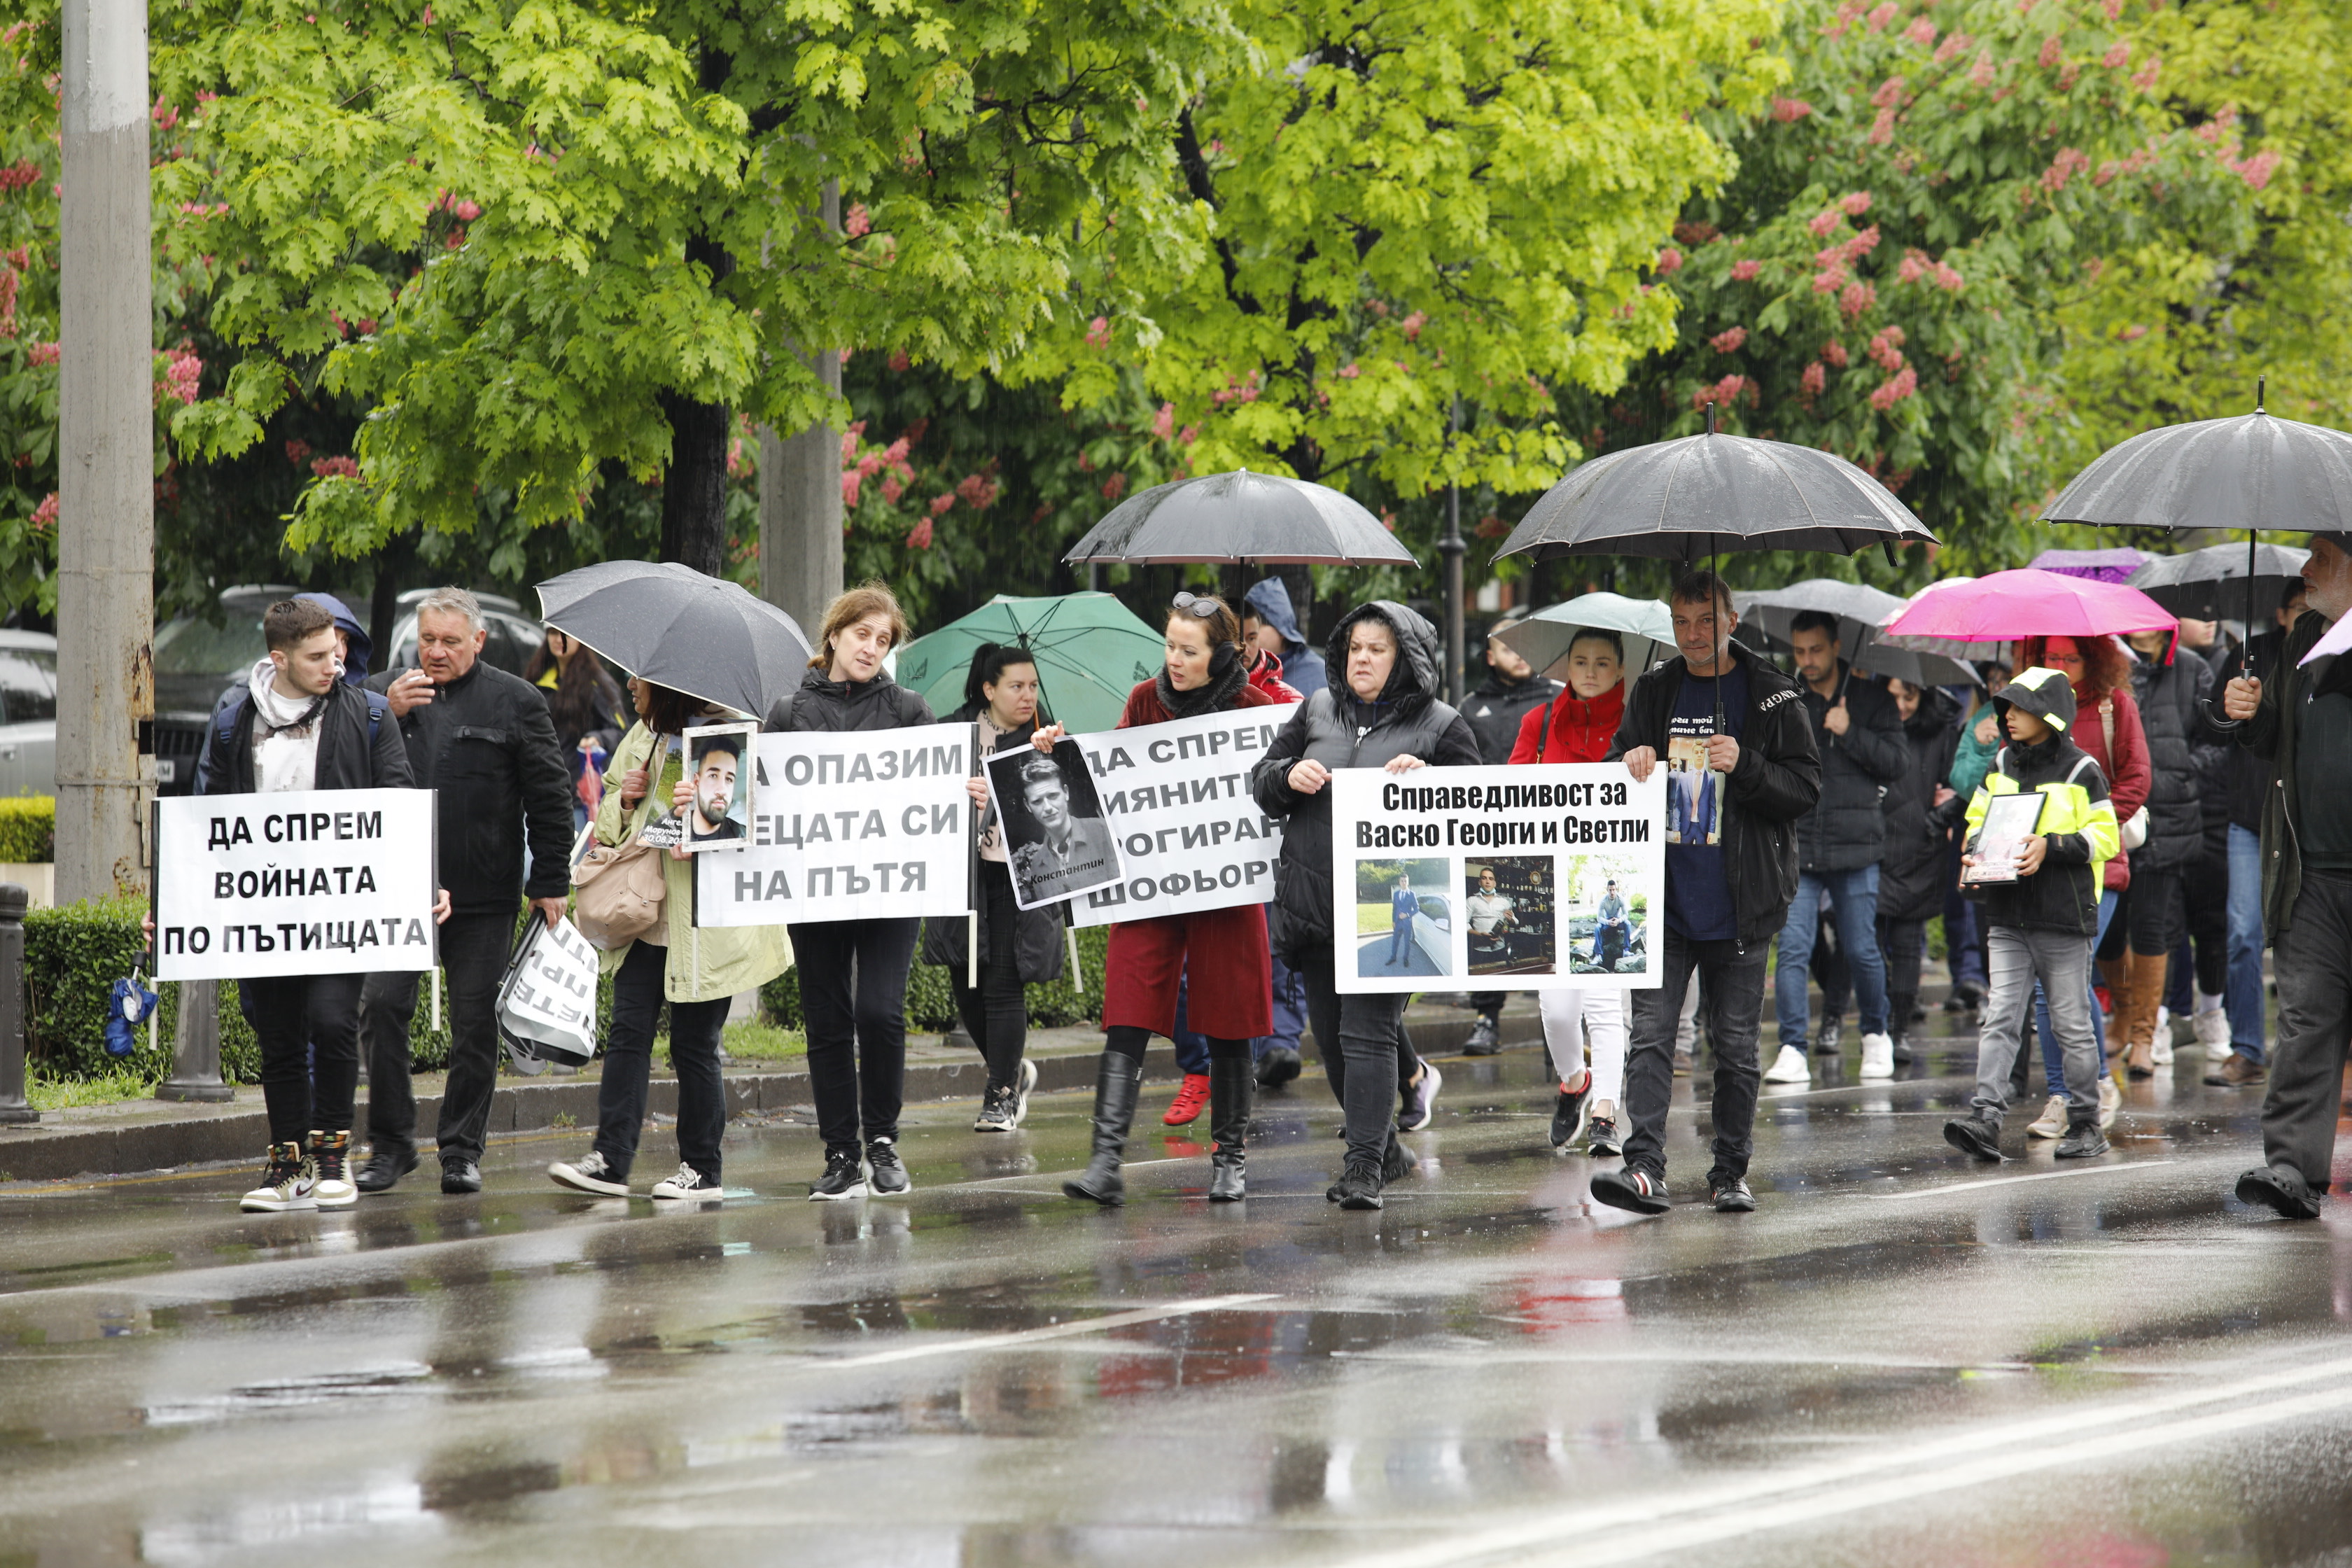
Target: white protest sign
1177,798
550,996
1525,879
300,882
871,825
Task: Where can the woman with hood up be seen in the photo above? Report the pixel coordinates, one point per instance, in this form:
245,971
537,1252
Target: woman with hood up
1205,672
1383,712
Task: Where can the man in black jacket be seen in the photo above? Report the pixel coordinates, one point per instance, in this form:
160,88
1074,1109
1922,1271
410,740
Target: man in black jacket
1493,712
1731,870
1859,735
484,739
2247,779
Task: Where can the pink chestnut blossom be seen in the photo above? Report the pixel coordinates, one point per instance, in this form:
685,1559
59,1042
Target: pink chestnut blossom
335,468
1670,260
1815,379
41,354
1894,389
1854,203
1745,268
1788,110
1728,341
44,516
857,223
940,503
920,537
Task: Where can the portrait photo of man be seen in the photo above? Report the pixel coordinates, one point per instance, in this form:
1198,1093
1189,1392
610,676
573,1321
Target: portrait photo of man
1057,842
720,763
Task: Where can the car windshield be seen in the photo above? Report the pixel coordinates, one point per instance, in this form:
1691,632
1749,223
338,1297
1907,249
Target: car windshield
191,646
28,684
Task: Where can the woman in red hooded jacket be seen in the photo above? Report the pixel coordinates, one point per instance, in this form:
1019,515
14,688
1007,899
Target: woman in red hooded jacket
1576,726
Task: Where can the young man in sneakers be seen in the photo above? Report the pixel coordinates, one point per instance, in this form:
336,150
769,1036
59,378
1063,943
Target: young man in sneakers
2040,925
300,727
1731,870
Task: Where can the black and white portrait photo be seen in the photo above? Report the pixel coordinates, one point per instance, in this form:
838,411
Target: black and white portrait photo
1055,835
720,765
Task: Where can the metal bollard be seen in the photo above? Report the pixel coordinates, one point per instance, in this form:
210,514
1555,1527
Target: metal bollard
196,1047
13,1107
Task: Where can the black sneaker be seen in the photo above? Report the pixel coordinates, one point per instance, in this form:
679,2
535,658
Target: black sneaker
460,1176
1397,1162
1567,1113
1635,1190
884,1170
1977,1136
1359,1188
845,1177
2280,1187
996,1110
1601,1138
1484,1038
1277,1067
2084,1141
1825,1043
1730,1194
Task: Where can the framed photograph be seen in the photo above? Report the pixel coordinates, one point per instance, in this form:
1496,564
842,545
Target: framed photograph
721,763
2008,821
1055,839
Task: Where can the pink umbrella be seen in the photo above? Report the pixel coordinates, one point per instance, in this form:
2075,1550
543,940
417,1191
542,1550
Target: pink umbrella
2027,603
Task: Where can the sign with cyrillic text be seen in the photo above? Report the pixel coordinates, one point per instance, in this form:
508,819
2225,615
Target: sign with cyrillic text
549,997
1525,879
1176,797
873,825
303,882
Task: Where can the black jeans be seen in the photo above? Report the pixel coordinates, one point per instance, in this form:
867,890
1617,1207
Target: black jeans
1731,976
2151,912
308,1028
1905,944
996,1016
1360,1037
854,1004
694,1031
2314,1021
474,952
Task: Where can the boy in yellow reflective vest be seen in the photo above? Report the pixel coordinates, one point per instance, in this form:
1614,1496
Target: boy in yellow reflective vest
2040,922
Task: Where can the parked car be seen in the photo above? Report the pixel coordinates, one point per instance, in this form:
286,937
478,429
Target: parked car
28,713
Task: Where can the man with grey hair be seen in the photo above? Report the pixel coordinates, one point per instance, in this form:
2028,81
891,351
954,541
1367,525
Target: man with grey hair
483,738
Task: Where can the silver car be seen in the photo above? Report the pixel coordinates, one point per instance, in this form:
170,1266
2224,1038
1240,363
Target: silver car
28,713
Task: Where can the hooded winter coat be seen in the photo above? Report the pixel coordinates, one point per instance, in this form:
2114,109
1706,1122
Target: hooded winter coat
2077,816
1498,707
1847,829
2171,691
1911,882
1332,727
1037,933
1269,601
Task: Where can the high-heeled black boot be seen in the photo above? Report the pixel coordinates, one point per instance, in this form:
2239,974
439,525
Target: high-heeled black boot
1117,1080
1230,1080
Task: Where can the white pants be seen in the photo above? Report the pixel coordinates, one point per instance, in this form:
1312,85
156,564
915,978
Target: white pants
1570,1018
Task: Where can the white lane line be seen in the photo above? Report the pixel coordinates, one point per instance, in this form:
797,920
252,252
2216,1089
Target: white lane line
2027,1440
979,1342
1938,1192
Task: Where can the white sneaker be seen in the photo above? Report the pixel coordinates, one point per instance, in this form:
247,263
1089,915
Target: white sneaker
688,1182
589,1173
1023,1090
2212,1026
287,1184
2111,1100
2160,1048
1789,1067
2052,1123
1878,1056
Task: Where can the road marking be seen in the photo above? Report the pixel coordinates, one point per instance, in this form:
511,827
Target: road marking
1018,1337
2012,1181
1867,1480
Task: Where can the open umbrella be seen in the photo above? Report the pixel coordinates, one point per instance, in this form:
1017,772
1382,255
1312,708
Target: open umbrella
1861,610
2028,603
674,626
2113,565
1227,519
1544,638
1090,650
2191,584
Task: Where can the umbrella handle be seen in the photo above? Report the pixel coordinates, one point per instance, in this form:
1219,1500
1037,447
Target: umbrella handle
2246,643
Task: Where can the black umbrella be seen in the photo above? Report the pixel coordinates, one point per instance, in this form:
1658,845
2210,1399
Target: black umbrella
674,626
2191,584
1227,519
2255,471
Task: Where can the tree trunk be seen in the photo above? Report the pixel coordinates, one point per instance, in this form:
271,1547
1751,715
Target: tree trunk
694,491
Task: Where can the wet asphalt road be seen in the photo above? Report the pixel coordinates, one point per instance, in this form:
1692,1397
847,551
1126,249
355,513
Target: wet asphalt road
1900,1358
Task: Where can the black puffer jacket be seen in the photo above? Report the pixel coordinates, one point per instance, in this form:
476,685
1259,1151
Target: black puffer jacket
2247,775
2170,692
1911,878
1334,729
1778,780
1847,829
1495,709
1037,933
837,706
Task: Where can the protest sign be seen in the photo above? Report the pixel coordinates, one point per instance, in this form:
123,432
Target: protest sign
1524,879
1055,838
1176,797
547,1005
873,825
299,882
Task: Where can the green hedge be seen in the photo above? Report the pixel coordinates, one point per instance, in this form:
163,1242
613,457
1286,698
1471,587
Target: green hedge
28,828
930,1002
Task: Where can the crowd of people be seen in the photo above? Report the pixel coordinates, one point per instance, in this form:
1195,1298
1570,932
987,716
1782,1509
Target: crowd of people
1841,815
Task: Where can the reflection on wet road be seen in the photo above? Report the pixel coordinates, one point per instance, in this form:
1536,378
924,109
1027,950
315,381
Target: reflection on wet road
1901,1357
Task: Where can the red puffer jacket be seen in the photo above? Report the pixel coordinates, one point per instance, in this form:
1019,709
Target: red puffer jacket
1580,730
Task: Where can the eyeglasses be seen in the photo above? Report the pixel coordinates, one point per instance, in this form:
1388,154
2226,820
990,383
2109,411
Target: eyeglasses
1205,605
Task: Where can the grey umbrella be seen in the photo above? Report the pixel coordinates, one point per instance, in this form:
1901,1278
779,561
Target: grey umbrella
2191,584
1861,610
674,626
1226,519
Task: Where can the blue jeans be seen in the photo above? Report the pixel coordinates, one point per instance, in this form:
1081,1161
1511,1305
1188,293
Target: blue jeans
2242,995
1854,895
2054,1058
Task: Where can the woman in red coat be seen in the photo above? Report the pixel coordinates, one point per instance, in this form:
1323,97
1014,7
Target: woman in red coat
1225,949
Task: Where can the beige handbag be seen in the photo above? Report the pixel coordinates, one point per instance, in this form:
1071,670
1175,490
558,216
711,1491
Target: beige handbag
620,893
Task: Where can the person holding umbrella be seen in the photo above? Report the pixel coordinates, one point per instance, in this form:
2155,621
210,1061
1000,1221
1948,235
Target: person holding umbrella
2171,695
1017,946
1385,713
853,972
1730,880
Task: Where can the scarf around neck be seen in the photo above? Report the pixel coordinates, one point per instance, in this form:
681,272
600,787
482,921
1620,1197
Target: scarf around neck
1218,694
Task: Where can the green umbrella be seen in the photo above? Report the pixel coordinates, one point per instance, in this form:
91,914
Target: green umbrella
1090,651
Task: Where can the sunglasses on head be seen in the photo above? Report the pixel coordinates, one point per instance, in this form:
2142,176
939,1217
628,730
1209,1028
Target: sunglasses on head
1204,605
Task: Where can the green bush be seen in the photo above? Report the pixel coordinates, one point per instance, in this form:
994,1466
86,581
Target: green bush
930,1001
28,828
73,956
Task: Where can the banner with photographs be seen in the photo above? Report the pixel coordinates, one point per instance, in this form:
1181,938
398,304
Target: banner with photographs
1054,839
1525,879
873,825
1176,798
301,882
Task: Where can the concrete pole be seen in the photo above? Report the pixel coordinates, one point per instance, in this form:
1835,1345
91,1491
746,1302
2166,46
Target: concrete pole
1451,546
106,457
799,496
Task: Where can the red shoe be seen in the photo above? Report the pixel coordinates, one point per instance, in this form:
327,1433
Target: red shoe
1191,1099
